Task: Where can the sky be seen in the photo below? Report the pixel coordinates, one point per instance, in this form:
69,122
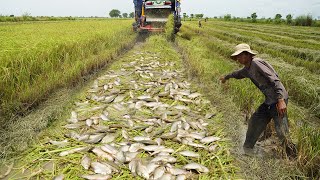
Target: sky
210,8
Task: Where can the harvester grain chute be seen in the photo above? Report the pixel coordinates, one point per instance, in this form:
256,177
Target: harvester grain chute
152,15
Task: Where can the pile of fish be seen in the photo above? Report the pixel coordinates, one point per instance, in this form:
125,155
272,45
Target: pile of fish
132,115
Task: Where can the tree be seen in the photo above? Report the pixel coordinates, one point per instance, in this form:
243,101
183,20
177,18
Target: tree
278,16
289,19
131,15
125,15
191,16
254,17
199,16
227,17
185,16
115,13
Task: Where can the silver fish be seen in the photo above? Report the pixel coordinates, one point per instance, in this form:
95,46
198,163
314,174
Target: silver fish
130,156
109,138
169,135
159,172
165,159
60,143
100,168
109,149
136,147
120,156
209,139
212,148
72,126
133,165
74,117
176,171
140,138
209,115
125,134
100,153
95,138
89,122
119,98
167,176
109,99
189,154
194,95
181,177
197,145
85,162
75,150
60,177
96,177
151,167
153,148
196,166
195,135
143,171
124,148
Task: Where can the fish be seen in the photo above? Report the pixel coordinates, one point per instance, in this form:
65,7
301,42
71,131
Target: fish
120,157
209,139
130,156
181,177
72,126
100,168
60,177
141,138
95,138
212,148
119,98
143,171
165,159
167,176
169,135
86,162
59,143
96,177
159,172
195,166
109,138
109,99
133,165
153,148
136,147
209,115
189,154
197,145
75,150
176,171
89,122
194,95
109,149
100,153
125,134
74,117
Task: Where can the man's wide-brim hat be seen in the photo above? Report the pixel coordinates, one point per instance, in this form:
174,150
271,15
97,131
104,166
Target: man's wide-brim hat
242,48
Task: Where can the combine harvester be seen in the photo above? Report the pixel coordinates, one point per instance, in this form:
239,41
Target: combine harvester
152,15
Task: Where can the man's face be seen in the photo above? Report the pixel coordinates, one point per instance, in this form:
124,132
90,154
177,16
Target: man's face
243,58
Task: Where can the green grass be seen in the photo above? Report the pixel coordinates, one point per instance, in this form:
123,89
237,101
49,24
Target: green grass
37,58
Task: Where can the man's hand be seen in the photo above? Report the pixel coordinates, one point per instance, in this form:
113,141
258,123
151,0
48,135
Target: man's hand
223,79
281,107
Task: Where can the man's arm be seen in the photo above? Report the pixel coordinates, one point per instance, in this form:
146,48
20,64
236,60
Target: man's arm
240,74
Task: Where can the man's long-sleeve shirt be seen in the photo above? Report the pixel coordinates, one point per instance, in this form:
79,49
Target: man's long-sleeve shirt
265,78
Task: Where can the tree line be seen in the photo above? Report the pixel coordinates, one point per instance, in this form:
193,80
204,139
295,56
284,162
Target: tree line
303,20
115,13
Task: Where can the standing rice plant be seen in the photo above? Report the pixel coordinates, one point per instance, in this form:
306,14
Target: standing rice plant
309,151
169,29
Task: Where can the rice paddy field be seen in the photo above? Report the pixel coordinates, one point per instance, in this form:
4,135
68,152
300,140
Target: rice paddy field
36,58
164,92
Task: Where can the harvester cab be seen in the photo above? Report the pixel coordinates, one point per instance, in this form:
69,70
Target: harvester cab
152,15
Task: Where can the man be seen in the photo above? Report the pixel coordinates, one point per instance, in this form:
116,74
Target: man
138,9
274,107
